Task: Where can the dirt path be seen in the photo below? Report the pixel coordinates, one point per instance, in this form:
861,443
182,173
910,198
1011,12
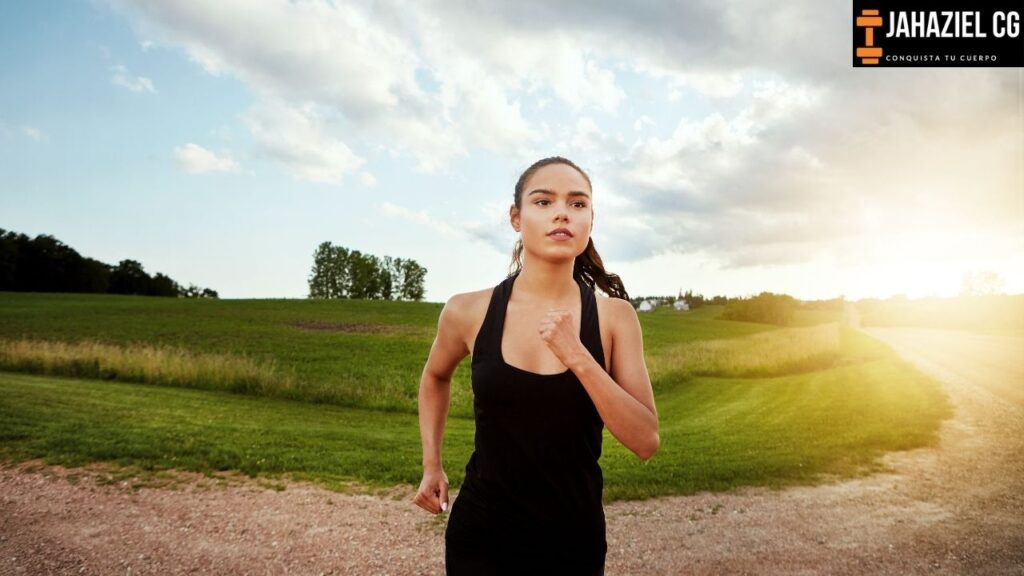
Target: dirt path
957,509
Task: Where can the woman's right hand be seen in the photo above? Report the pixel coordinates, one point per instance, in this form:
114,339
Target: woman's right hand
433,493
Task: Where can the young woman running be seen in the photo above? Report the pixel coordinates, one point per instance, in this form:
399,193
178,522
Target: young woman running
553,363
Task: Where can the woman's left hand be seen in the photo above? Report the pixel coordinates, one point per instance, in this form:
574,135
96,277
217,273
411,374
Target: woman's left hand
558,331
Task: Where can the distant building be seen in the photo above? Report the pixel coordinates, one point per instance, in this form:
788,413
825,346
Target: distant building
646,306
680,305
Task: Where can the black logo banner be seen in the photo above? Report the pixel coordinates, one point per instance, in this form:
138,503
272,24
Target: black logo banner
960,33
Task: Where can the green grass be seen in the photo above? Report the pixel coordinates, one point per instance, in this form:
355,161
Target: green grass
74,422
374,363
763,406
346,366
722,433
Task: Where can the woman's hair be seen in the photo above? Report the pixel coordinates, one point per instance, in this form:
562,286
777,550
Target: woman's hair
588,266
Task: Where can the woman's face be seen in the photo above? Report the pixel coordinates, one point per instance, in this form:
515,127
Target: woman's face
556,196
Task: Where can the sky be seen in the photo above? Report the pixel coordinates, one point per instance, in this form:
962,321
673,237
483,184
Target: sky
732,147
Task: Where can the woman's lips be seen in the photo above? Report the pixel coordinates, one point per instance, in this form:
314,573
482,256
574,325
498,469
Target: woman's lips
560,236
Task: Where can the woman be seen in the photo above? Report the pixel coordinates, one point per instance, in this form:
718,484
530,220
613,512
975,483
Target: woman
553,363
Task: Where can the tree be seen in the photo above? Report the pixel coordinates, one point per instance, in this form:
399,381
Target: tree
981,283
329,277
765,307
45,264
413,276
129,278
342,273
161,285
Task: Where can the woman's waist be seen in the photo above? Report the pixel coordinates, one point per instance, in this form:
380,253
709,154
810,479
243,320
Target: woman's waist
578,467
576,489
535,504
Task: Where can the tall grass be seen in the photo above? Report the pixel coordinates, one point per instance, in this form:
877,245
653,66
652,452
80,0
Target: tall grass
146,363
761,355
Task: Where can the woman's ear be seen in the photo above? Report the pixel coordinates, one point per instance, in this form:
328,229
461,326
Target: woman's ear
513,216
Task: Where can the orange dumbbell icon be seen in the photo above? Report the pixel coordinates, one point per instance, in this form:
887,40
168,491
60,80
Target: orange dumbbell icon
869,20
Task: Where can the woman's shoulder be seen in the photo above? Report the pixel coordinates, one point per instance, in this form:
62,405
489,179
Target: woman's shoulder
614,309
615,304
462,301
469,305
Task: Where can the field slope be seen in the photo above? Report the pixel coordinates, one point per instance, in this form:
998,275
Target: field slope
739,403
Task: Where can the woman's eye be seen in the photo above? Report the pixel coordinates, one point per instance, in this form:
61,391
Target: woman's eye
576,204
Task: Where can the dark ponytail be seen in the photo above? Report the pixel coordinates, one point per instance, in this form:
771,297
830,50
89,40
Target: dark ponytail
588,266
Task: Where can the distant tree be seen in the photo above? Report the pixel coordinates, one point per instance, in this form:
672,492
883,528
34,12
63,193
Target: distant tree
387,289
194,291
981,283
765,307
342,273
129,277
45,264
9,253
832,304
161,285
330,278
361,271
693,301
413,276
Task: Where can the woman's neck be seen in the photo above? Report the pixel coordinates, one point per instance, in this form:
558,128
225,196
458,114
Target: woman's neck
546,282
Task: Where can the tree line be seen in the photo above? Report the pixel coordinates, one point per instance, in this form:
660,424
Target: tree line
340,272
45,264
765,307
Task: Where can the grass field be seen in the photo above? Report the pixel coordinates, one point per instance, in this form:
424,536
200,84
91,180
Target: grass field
326,391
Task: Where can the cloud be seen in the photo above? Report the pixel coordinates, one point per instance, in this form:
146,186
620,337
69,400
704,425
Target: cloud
368,179
423,218
195,159
643,120
364,66
300,138
794,154
123,78
492,227
33,133
356,70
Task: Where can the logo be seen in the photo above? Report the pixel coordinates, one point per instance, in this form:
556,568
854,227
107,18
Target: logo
869,53
955,33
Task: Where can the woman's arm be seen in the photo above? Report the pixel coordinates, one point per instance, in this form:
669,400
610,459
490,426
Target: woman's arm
448,349
624,398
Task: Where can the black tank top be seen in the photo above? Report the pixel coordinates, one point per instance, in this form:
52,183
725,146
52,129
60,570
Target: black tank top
538,438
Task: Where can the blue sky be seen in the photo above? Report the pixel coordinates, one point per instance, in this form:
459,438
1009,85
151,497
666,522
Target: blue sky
220,143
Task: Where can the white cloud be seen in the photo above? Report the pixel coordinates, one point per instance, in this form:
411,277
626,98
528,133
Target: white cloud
587,135
34,133
124,78
359,70
195,159
643,120
796,146
362,64
368,179
423,218
300,139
